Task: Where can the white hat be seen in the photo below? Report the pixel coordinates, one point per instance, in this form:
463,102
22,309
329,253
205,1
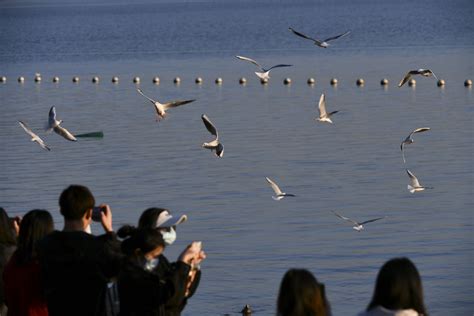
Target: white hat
165,219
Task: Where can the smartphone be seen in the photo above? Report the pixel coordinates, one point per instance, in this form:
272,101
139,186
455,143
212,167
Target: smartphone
96,213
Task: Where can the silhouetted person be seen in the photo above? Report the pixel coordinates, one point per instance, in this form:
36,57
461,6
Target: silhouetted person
23,289
75,264
301,295
8,235
398,291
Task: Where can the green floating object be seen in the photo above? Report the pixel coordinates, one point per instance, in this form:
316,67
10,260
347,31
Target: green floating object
91,135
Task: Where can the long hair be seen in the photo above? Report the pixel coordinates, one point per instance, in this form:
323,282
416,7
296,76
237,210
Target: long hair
149,217
7,236
144,240
35,225
398,286
301,295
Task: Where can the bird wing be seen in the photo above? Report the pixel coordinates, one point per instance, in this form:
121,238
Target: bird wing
322,106
42,144
430,71
420,130
250,60
274,186
220,150
414,180
210,127
336,37
176,103
372,220
405,79
277,66
345,218
141,92
304,36
27,129
64,133
52,116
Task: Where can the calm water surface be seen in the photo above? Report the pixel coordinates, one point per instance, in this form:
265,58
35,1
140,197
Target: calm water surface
353,166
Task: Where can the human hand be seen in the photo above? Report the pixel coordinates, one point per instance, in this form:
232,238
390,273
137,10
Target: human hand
192,253
106,218
16,221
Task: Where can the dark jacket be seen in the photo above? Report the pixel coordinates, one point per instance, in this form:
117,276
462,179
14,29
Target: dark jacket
76,268
145,293
175,305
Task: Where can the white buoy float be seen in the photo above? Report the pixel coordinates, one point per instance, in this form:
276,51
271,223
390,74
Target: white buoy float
384,82
177,80
441,83
333,82
311,81
287,81
136,80
156,80
243,80
198,80
3,79
95,79
263,80
412,82
468,83
219,81
21,79
56,79
360,82
75,79
115,79
37,78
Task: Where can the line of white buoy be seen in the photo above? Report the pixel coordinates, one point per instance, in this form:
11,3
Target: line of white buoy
219,81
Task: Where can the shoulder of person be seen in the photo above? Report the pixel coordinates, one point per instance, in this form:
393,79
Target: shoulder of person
381,311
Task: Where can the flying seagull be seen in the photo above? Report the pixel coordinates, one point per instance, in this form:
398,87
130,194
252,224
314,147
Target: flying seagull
214,145
265,73
162,107
320,43
414,185
55,125
358,226
34,137
409,140
323,115
423,72
279,194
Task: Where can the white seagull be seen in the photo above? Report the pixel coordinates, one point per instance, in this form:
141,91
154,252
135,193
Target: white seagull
213,145
265,73
409,139
323,115
162,107
34,137
415,185
357,226
423,72
54,124
320,43
279,194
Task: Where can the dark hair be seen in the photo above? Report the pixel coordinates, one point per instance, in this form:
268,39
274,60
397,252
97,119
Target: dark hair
7,236
35,225
75,201
145,240
398,286
301,295
149,217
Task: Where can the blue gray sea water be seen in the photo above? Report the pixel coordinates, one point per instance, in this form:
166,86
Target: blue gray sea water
353,166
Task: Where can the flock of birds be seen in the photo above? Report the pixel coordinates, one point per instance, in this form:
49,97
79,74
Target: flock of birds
53,124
